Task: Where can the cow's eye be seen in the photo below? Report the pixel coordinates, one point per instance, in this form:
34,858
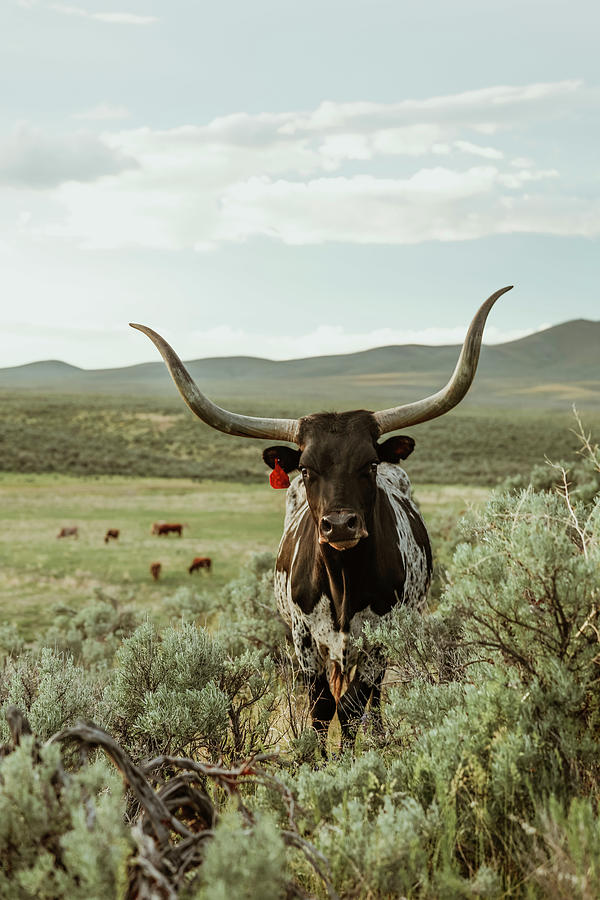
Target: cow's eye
374,466
304,471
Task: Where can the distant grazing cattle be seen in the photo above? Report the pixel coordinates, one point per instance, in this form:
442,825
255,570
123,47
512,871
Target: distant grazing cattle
354,545
73,531
167,528
200,562
111,533
155,570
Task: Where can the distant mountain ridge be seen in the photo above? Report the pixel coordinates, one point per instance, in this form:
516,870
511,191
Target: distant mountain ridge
566,355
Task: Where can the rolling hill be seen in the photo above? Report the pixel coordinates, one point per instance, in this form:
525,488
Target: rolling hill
546,369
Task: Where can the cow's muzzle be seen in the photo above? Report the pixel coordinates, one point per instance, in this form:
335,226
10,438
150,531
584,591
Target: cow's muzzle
342,529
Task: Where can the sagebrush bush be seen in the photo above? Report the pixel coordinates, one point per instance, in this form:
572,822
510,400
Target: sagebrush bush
243,862
164,696
566,858
178,691
50,688
248,615
582,476
93,633
11,642
61,842
190,605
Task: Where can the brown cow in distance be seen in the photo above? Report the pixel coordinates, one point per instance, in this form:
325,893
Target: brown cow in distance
200,562
155,570
73,531
167,528
111,533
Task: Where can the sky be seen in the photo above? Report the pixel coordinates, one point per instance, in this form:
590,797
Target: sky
289,179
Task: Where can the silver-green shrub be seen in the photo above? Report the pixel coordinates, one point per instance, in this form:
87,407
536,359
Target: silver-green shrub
93,633
164,695
244,863
50,688
565,862
248,617
60,842
178,691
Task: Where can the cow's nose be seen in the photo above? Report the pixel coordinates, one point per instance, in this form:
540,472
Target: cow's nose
341,526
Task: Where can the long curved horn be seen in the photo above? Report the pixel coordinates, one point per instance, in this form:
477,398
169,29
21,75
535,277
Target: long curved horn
209,412
462,378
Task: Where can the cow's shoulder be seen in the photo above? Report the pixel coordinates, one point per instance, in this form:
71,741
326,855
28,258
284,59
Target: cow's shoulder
399,512
392,479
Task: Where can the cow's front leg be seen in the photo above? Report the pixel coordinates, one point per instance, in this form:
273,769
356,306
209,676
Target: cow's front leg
376,704
351,708
322,706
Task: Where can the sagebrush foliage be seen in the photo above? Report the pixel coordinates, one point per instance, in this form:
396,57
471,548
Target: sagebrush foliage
50,688
484,783
59,843
92,634
244,862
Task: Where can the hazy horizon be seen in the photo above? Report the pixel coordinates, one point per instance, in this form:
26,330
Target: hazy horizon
155,357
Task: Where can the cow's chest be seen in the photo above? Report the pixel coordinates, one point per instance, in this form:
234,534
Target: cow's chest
316,635
308,608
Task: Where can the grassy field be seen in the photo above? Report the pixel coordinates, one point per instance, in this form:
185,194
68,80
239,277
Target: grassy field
228,521
121,436
112,463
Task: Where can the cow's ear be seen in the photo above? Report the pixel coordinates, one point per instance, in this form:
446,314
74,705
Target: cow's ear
288,457
395,448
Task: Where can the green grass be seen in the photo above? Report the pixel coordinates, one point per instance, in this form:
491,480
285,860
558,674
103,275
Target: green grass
118,463
228,521
122,436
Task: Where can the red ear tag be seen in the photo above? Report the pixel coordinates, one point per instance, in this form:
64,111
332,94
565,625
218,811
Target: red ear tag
278,478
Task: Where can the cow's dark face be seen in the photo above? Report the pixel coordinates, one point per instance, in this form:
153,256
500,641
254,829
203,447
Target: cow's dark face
338,459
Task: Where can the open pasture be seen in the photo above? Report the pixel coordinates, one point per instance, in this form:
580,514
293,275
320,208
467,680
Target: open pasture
115,435
227,521
224,521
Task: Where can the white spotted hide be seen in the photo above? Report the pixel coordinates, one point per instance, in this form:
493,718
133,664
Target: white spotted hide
327,644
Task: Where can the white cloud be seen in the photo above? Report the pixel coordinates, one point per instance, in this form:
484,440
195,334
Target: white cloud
338,147
476,150
353,172
522,162
518,179
124,18
488,109
103,112
114,18
433,204
33,159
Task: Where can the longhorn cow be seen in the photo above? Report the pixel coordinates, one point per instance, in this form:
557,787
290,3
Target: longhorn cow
354,544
